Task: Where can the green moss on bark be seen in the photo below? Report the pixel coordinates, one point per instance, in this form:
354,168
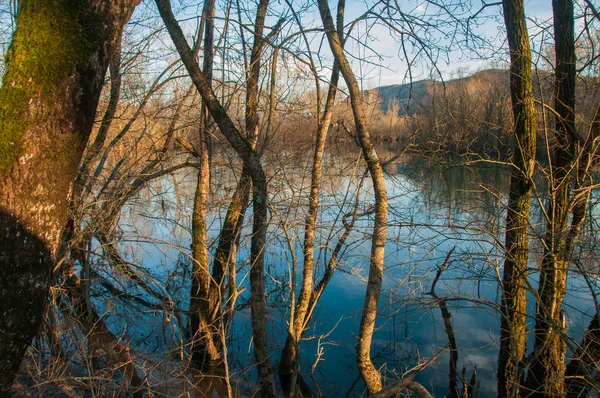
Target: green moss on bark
13,100
50,43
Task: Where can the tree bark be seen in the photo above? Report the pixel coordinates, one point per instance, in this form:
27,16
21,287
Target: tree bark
226,253
251,160
546,371
205,294
513,329
302,311
369,373
55,71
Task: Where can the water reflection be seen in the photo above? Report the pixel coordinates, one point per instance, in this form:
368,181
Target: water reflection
433,209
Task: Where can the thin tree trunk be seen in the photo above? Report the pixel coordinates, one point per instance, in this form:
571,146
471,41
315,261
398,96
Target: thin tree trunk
251,160
56,65
205,294
259,202
226,253
587,165
546,371
447,318
93,150
302,313
513,329
370,374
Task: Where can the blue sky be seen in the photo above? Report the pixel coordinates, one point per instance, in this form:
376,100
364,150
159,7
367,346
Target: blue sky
462,57
387,63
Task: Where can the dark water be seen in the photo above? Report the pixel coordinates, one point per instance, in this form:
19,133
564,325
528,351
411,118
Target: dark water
433,209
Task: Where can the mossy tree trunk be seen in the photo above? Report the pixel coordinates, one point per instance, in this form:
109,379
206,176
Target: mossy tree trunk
369,373
56,66
513,329
547,369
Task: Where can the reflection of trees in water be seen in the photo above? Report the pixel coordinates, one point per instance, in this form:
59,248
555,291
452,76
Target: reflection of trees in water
475,192
432,207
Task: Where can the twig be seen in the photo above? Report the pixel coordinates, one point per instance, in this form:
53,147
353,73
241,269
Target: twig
408,383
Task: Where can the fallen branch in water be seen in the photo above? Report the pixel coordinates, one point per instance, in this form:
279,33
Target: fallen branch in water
404,384
408,383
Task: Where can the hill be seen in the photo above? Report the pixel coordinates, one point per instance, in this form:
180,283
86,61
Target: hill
409,97
469,114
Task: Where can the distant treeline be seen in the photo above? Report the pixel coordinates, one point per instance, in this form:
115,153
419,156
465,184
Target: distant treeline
465,116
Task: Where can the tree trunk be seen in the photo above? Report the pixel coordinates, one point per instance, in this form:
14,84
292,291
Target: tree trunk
251,160
55,70
226,253
302,311
513,329
205,294
452,345
577,374
369,373
546,372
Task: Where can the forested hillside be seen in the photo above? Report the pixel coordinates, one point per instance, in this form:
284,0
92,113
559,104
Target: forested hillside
467,115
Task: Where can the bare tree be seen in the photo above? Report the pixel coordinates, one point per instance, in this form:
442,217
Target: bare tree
370,374
205,291
546,371
251,160
302,312
513,329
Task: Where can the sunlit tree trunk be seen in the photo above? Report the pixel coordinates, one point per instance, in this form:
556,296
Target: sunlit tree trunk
229,237
251,160
302,313
369,373
224,263
513,329
546,372
205,294
56,66
225,255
